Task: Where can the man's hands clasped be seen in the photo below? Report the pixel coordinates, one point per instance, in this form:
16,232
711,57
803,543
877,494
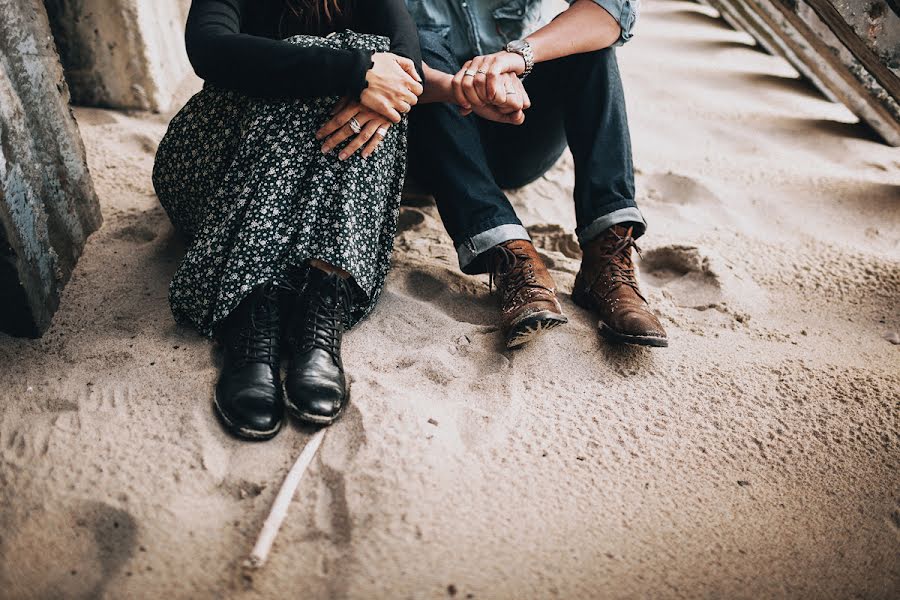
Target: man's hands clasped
393,89
490,87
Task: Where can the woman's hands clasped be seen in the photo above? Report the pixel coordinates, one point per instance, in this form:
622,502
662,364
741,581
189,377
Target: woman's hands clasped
393,88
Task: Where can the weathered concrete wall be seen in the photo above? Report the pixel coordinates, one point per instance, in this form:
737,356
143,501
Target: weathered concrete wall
121,53
47,201
849,50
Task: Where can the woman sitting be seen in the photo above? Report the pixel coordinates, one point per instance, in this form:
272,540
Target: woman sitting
290,226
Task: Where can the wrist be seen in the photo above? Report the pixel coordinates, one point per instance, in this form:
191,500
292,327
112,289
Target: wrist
526,53
438,87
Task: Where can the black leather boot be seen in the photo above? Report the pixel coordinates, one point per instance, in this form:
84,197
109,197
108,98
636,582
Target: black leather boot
317,389
249,399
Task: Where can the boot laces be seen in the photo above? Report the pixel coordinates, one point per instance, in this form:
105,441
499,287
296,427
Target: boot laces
618,266
327,312
256,339
514,270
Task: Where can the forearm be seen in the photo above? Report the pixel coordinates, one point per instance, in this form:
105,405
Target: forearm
584,27
262,67
438,86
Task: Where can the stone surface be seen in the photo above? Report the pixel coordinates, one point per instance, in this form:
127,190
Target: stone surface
47,201
121,53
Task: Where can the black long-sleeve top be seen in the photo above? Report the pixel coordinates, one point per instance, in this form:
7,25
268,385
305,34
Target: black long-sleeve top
237,44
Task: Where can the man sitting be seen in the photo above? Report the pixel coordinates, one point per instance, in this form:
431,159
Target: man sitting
498,110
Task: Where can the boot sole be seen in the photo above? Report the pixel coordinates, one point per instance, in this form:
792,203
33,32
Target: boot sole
317,419
532,326
635,340
253,435
612,335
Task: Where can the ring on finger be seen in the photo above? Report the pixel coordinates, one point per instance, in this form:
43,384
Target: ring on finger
470,73
354,125
481,71
381,132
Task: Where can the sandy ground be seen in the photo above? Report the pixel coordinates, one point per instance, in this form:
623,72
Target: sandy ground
756,457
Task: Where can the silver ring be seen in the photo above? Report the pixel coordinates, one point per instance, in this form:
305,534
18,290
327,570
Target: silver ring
511,92
381,132
482,71
470,73
354,125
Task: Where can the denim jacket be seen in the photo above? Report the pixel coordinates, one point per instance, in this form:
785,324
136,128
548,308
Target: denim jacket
475,27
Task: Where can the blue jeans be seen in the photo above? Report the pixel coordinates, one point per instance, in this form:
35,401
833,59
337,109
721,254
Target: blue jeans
467,161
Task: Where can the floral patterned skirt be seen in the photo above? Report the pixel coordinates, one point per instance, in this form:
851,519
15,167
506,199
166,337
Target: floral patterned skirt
245,181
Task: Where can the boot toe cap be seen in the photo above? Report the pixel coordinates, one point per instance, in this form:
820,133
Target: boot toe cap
640,322
317,399
253,411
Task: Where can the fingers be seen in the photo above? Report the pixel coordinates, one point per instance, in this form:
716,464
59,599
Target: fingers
410,67
468,82
514,92
341,118
493,114
336,138
346,131
380,104
359,139
381,130
480,79
495,86
458,93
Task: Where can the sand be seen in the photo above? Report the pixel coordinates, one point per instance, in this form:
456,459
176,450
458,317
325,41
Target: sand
756,457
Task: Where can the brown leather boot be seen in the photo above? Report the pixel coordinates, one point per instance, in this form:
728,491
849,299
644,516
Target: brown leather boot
528,304
607,284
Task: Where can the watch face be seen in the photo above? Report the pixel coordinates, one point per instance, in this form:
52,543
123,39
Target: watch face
516,45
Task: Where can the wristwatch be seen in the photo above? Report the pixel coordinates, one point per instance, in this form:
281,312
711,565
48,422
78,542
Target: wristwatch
523,49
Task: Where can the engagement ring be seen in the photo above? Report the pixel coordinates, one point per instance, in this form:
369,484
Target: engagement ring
354,125
381,132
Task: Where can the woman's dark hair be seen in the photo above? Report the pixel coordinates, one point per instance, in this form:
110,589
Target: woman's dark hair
311,15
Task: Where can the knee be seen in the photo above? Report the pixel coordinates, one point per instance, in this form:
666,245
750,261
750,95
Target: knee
436,52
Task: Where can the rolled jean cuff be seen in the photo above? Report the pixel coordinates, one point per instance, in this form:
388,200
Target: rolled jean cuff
479,243
630,214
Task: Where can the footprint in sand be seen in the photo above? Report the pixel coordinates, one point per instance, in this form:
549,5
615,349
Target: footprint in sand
674,189
455,296
552,237
466,364
410,219
671,196
557,247
136,232
685,273
699,279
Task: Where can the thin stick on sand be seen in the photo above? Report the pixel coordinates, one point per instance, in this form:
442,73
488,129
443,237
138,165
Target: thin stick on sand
282,502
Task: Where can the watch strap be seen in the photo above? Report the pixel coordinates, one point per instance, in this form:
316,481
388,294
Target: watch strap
523,49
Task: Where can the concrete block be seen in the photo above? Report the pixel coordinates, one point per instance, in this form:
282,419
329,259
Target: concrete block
47,202
121,53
